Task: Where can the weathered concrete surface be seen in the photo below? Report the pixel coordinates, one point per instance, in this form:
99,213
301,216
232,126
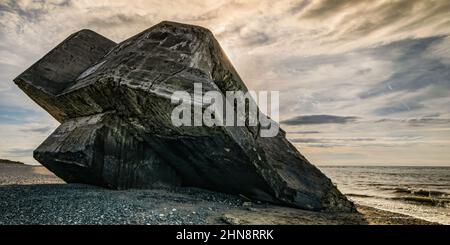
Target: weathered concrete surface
114,106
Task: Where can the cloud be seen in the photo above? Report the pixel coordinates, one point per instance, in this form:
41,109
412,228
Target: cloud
397,108
425,121
306,140
360,142
408,78
429,121
330,140
324,9
16,115
372,21
432,115
304,132
414,68
319,119
19,152
39,129
27,12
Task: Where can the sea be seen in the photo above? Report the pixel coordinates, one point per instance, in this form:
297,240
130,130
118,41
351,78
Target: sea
422,192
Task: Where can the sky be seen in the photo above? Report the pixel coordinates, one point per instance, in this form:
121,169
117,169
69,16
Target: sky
362,82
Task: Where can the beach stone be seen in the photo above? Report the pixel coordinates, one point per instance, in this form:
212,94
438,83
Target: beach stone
114,105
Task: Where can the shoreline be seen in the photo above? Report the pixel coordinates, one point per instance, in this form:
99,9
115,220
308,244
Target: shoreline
33,195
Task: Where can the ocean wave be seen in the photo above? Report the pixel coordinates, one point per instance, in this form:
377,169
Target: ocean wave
422,199
361,195
425,200
421,192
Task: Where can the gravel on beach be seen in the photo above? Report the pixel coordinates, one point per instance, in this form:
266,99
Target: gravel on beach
33,195
82,204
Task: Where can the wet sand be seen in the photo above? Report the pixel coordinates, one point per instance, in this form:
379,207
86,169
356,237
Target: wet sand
33,195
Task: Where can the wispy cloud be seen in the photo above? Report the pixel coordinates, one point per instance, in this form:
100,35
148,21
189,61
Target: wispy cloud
319,119
304,132
426,121
19,152
16,115
38,129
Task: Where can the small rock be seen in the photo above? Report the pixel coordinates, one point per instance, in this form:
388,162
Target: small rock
247,204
